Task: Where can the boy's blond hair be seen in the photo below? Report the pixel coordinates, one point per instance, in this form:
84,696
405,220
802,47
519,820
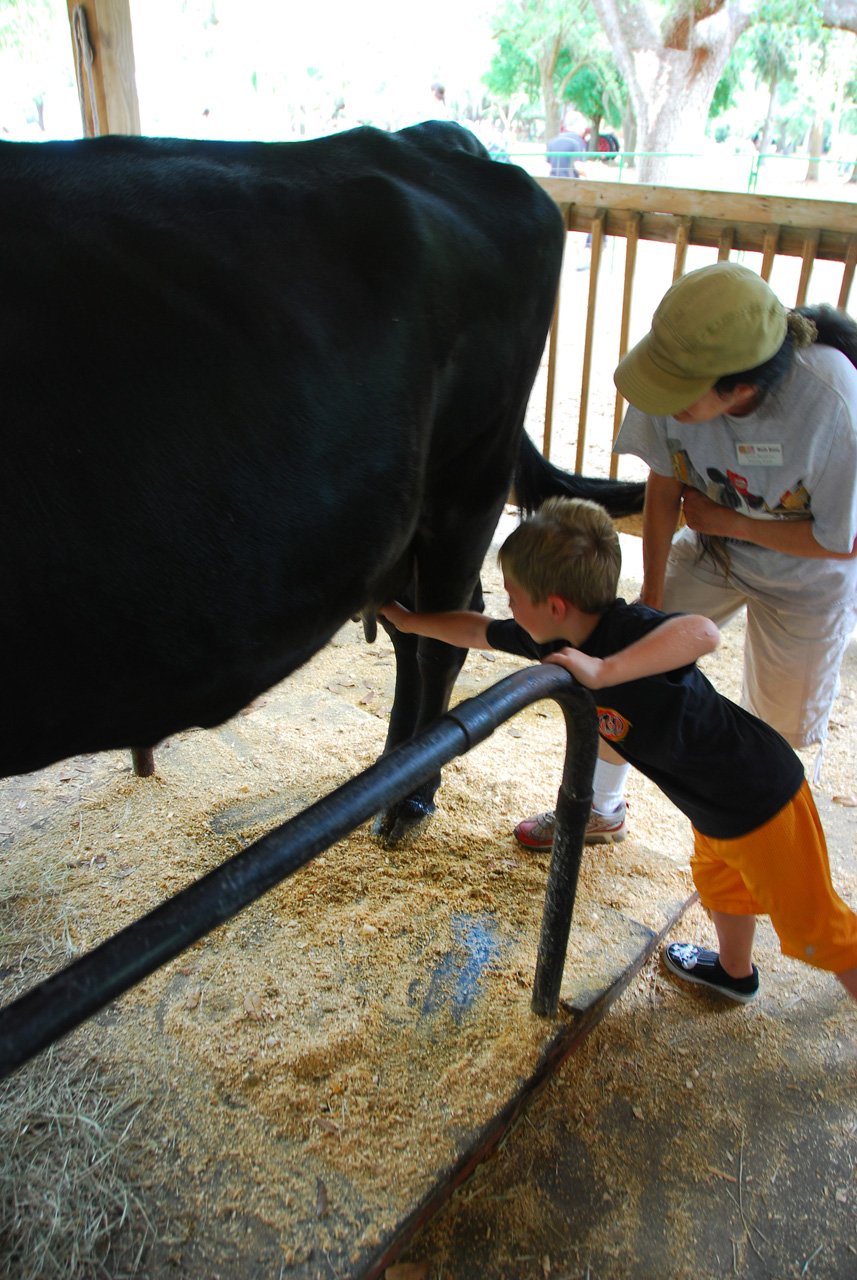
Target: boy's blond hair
568,548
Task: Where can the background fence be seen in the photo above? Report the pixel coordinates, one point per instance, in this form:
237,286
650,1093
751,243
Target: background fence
794,243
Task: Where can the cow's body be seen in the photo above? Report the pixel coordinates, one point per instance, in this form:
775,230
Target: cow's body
248,391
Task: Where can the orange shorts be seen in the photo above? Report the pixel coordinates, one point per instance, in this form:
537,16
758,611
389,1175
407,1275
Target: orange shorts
781,870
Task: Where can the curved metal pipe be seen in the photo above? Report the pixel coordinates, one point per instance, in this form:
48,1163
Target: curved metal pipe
75,993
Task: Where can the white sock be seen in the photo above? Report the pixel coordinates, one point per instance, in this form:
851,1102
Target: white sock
608,786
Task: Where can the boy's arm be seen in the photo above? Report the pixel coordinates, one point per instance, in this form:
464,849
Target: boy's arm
464,628
674,644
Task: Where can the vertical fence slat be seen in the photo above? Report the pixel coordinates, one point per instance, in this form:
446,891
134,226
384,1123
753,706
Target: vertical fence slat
632,235
810,245
848,273
769,251
551,389
682,238
553,353
597,233
727,240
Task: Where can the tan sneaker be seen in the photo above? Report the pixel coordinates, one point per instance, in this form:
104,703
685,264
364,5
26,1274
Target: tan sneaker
537,832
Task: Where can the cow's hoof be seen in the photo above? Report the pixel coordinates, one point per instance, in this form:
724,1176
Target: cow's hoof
403,822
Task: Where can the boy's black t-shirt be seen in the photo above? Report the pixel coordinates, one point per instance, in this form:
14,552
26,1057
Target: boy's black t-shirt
728,771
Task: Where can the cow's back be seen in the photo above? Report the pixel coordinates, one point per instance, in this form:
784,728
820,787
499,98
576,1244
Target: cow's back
234,376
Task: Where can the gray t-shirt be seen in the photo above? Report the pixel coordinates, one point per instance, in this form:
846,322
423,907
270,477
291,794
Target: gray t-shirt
793,458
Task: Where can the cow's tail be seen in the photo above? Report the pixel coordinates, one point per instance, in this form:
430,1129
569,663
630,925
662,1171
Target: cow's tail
537,479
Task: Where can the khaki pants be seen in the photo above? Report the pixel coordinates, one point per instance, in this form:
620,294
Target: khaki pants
791,660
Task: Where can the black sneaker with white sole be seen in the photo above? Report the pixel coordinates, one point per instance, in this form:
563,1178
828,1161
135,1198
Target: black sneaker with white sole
696,964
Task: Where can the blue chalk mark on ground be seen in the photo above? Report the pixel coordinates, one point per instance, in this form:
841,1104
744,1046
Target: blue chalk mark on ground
456,980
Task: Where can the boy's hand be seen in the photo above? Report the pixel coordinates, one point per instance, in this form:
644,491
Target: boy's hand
584,668
460,627
395,613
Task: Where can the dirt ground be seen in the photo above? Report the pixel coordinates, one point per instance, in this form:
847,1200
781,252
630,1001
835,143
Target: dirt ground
300,1079
274,1101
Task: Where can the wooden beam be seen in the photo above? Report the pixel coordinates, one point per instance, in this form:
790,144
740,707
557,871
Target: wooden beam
104,65
749,217
722,206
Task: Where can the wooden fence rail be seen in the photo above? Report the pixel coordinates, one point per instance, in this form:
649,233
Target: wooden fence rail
731,223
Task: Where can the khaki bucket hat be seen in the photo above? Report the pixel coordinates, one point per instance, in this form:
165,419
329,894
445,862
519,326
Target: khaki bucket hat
718,320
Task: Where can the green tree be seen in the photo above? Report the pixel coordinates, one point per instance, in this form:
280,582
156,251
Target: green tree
555,51
772,58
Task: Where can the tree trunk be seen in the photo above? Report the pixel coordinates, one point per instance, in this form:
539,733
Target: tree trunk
594,131
816,146
768,127
553,107
671,74
629,135
672,112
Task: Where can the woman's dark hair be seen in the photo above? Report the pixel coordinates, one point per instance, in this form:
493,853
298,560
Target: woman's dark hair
834,329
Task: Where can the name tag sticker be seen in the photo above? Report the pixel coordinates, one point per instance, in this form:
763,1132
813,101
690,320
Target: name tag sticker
759,455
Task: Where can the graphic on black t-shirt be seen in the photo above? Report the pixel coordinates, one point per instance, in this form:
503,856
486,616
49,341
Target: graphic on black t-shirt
612,724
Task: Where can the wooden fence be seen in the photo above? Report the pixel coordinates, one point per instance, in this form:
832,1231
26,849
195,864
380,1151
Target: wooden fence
773,226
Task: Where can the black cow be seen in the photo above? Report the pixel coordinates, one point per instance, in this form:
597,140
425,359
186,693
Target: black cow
250,390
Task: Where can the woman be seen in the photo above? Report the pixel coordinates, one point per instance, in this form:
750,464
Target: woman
746,414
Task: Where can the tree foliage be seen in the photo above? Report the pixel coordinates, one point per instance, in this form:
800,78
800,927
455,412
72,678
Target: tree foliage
554,50
25,25
672,56
27,40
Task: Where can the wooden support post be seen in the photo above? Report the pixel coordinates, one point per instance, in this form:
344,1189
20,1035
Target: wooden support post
632,234
104,66
597,232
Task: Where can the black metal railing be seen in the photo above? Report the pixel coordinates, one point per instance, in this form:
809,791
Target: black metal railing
70,996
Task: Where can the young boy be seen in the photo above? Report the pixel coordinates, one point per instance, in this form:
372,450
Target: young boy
758,843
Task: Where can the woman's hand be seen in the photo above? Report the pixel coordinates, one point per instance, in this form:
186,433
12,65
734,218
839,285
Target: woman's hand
585,669
704,516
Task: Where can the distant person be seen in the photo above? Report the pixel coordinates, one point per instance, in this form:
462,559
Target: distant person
438,110
759,846
560,153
